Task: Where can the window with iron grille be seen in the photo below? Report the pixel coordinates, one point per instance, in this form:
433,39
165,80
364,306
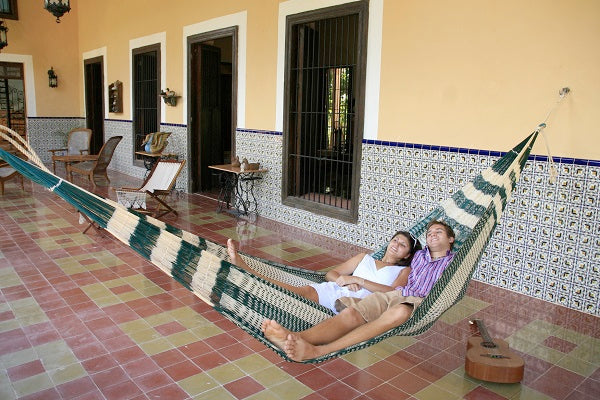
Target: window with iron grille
324,103
146,105
12,97
8,9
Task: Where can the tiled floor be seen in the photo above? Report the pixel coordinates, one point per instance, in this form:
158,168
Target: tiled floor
84,317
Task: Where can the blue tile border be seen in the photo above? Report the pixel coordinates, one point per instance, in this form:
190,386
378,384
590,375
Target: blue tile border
264,132
480,152
55,117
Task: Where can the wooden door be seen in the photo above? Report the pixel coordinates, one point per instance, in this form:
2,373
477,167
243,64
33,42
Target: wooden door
94,102
206,143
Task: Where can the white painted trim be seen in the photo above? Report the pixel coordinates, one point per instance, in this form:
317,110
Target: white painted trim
27,61
99,52
227,21
373,76
161,38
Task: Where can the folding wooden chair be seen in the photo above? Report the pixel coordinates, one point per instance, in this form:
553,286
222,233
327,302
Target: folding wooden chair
157,185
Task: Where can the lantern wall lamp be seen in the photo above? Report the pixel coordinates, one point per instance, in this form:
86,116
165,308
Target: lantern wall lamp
3,38
52,78
57,8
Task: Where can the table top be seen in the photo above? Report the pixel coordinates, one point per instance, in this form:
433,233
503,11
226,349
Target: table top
76,157
145,153
236,170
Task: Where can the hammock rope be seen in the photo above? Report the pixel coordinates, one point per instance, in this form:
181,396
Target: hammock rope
204,267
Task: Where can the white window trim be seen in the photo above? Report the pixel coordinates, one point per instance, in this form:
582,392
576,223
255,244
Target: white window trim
160,38
227,21
29,77
100,52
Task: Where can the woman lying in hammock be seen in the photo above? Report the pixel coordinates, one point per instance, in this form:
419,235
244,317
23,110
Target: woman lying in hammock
357,277
363,319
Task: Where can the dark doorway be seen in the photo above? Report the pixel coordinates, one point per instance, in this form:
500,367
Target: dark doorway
94,102
212,94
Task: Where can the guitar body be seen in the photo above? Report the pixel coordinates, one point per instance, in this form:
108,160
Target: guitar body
493,361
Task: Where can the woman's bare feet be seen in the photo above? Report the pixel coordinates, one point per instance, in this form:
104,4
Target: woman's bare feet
299,349
276,333
234,255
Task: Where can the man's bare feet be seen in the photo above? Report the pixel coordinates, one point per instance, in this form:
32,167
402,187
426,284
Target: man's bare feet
299,349
276,333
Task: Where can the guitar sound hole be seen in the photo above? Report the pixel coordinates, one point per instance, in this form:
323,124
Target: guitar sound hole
488,345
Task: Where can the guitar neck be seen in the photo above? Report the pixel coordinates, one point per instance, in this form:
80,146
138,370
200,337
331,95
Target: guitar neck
487,339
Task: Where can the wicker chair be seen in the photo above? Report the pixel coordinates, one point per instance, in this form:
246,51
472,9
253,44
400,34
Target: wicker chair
96,164
78,143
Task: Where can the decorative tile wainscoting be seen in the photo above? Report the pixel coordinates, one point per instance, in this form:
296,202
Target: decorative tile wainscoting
51,133
547,244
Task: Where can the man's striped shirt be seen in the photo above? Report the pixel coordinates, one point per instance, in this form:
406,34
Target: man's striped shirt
424,273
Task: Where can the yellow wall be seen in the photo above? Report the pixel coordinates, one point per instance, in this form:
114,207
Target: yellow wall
50,44
466,73
481,74
138,18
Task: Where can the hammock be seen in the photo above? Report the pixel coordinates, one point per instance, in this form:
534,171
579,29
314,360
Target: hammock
204,267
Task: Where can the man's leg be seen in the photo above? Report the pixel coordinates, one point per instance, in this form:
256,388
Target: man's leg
298,348
324,332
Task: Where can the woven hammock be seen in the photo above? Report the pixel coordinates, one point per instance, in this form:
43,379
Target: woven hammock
204,267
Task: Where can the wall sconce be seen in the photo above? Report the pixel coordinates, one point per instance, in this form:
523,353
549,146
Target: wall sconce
3,38
169,97
52,78
57,8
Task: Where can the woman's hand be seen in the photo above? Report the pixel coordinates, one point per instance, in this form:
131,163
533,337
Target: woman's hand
354,287
346,280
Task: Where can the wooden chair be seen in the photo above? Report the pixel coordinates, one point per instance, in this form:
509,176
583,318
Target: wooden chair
157,185
95,164
7,173
78,143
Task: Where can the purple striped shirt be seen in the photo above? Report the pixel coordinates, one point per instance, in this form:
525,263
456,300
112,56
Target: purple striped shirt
424,273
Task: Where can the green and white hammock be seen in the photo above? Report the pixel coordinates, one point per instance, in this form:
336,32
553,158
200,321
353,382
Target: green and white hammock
204,268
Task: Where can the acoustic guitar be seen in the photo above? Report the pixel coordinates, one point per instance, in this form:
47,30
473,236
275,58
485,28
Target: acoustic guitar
491,360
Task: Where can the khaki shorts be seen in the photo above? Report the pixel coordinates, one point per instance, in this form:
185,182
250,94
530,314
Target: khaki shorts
375,304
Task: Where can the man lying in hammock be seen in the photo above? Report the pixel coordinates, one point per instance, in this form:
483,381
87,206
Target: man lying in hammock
360,320
357,277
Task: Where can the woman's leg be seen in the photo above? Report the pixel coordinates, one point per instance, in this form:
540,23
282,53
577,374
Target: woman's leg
305,291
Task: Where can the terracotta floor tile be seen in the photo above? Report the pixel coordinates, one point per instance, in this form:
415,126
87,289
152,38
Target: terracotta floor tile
153,380
168,357
315,379
243,387
122,390
171,391
182,370
557,382
25,370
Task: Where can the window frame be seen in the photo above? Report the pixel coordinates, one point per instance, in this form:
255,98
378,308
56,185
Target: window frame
137,159
361,8
14,11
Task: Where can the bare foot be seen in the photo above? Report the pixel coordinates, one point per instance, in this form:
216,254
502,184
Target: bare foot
276,333
233,254
299,349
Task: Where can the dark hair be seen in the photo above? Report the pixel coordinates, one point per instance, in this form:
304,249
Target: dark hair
447,228
414,246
